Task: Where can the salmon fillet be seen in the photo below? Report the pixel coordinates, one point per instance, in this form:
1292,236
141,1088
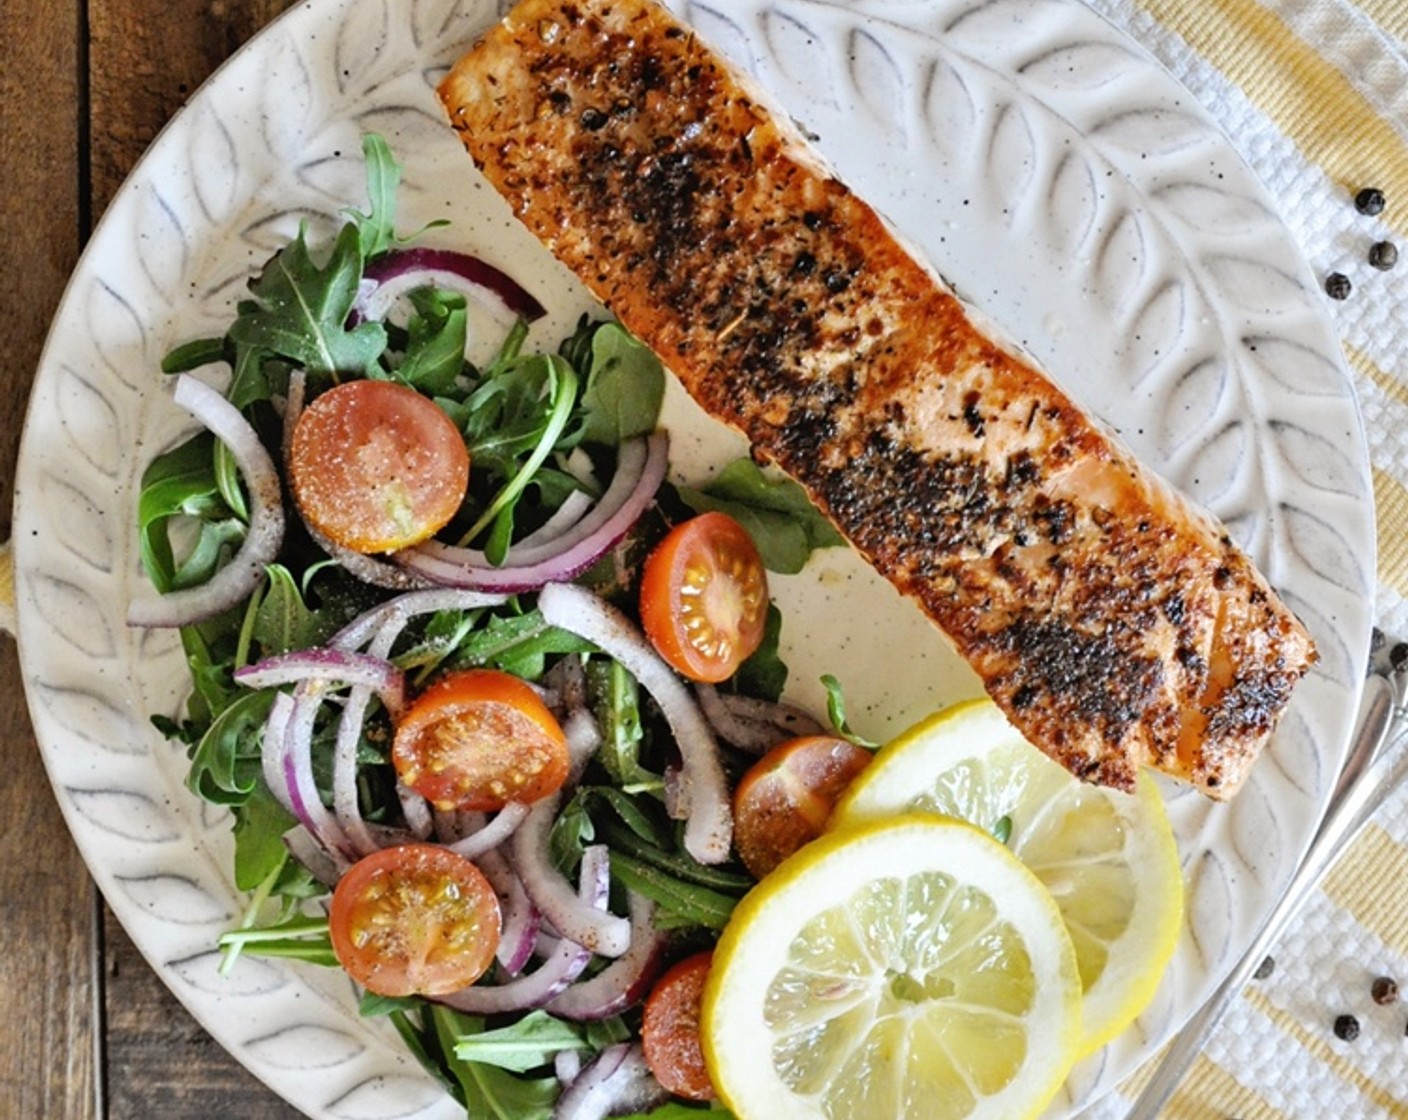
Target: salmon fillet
1116,624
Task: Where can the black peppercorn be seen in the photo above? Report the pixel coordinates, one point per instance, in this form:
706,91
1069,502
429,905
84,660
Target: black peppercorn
1264,969
1383,255
1369,201
1347,1028
1384,990
1337,286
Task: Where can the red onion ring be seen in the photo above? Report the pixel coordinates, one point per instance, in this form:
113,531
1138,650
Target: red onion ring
702,799
589,927
403,608
331,666
521,922
640,470
616,1082
750,724
487,838
625,980
274,745
559,970
303,798
393,274
236,581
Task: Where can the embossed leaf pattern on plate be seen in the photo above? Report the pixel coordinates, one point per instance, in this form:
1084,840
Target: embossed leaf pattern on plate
1053,174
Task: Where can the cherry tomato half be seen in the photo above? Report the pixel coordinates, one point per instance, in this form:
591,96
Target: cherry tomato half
478,739
375,466
786,797
670,1029
704,597
414,920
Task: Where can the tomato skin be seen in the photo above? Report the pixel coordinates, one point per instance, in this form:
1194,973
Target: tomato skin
414,920
786,797
375,466
478,739
670,1029
704,597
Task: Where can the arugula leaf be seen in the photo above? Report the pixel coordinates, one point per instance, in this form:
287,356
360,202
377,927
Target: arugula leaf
677,1110
531,1041
614,697
517,644
836,712
681,904
436,334
225,764
488,1092
553,400
260,824
284,621
375,233
300,310
194,354
776,511
180,484
625,384
571,832
764,674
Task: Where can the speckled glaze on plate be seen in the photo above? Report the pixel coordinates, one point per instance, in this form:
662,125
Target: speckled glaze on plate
1054,174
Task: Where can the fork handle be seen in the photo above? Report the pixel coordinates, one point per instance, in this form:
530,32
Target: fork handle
1372,773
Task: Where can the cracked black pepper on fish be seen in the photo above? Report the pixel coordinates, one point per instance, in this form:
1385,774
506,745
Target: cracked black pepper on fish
1115,624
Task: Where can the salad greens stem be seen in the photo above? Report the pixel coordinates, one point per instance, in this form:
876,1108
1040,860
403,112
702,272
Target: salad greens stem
564,399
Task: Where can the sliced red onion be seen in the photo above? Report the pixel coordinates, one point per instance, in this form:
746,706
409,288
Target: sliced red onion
566,1065
574,507
751,724
485,839
401,271
583,739
274,746
555,973
302,791
416,810
616,1082
236,581
640,470
702,791
588,926
332,666
626,980
521,922
308,852
400,610
368,569
293,407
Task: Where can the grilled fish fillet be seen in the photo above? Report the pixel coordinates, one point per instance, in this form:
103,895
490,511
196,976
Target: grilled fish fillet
1114,623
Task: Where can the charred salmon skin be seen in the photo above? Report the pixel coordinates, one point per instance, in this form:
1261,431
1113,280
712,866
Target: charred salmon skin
1116,624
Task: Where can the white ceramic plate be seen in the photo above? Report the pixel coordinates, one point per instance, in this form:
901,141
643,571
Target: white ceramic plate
1054,174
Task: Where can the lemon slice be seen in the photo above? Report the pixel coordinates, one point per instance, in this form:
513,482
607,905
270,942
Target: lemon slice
910,968
1108,858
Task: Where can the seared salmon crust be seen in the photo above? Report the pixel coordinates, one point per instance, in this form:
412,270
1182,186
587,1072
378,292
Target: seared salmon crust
1114,623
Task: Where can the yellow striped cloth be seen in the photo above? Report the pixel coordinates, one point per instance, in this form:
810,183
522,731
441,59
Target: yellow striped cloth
1314,93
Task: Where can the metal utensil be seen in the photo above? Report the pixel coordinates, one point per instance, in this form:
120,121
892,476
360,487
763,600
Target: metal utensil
1368,776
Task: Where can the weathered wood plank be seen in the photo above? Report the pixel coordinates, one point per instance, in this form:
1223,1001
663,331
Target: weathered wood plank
48,934
160,1062
146,57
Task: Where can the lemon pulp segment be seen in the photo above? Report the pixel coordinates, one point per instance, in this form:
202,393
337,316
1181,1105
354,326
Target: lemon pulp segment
911,968
1108,858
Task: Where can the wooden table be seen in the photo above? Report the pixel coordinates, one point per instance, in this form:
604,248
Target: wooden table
88,1029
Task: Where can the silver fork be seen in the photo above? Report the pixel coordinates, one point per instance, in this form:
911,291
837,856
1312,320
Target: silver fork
1370,773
